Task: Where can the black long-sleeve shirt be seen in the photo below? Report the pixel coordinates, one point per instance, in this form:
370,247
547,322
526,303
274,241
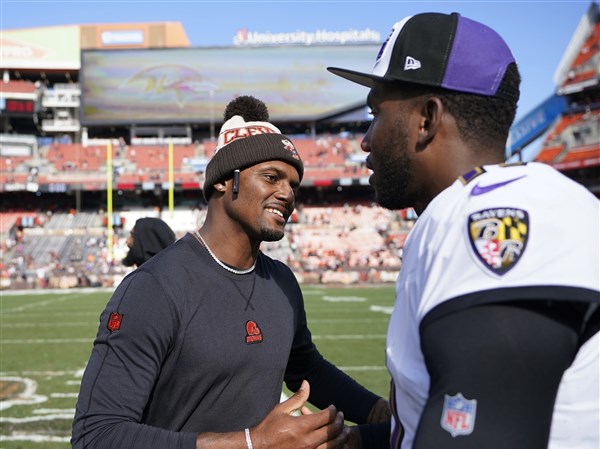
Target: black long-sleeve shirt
185,347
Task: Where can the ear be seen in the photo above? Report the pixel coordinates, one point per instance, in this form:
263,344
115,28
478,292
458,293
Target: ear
430,119
220,186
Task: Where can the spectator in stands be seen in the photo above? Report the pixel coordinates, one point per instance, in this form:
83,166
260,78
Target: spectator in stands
493,273
194,346
148,236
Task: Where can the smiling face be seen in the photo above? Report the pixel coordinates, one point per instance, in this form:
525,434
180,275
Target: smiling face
266,199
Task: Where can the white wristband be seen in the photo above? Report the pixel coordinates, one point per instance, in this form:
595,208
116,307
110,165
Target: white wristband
248,440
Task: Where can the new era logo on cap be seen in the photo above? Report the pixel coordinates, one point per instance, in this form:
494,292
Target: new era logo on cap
412,63
442,50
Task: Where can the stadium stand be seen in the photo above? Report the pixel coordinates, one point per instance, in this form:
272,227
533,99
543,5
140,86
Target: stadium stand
584,68
54,224
572,144
579,158
549,154
19,87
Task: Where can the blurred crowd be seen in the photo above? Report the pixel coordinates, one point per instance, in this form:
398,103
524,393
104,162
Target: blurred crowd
350,242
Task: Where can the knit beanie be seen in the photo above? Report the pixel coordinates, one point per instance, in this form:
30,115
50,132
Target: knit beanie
242,144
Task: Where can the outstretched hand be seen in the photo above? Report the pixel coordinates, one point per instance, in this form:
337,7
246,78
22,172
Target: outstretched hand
280,429
380,413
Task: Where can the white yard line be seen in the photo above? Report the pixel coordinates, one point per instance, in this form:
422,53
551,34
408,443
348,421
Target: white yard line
27,341
54,411
28,325
35,438
349,337
384,309
41,292
344,299
347,320
29,419
363,368
5,374
38,304
45,314
64,395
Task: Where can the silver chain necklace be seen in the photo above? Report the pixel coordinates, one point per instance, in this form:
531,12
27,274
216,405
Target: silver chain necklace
216,259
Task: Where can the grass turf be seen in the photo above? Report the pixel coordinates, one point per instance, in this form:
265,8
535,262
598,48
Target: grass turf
46,339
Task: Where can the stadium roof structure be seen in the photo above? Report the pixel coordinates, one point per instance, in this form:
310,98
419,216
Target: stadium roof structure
568,121
57,48
49,48
571,143
579,67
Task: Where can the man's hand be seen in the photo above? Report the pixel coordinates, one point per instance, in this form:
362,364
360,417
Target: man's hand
319,430
354,439
380,412
281,429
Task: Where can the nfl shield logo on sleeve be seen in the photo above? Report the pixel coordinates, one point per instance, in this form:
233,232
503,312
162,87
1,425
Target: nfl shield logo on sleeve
458,415
114,321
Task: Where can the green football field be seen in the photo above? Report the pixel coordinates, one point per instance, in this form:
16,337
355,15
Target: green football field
46,339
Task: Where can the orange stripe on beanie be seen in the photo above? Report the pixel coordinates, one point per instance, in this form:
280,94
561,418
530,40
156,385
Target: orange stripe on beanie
247,138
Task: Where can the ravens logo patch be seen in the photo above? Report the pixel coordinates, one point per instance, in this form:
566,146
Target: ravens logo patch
499,237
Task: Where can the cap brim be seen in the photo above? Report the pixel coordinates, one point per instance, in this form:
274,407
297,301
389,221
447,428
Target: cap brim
364,79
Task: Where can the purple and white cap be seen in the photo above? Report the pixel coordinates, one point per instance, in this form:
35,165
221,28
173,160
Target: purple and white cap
443,50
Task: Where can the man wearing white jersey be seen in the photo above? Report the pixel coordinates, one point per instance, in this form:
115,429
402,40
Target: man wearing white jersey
493,342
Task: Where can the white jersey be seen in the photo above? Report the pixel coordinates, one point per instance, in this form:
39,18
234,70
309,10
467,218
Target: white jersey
503,226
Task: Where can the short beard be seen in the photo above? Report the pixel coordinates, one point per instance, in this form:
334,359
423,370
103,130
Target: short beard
271,235
391,189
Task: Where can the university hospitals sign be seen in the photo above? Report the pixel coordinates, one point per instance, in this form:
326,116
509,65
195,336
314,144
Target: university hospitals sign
319,37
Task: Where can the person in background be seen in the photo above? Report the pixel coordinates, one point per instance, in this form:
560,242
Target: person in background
493,341
195,345
148,236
